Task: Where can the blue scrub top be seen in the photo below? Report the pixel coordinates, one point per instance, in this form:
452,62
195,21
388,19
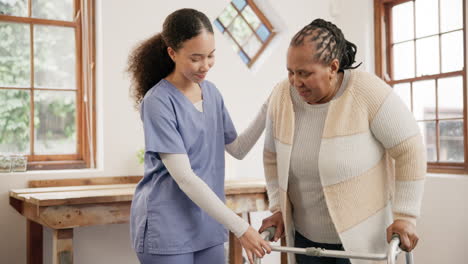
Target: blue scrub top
163,219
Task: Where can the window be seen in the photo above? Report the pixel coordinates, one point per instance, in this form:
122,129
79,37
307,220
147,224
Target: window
46,82
247,29
420,52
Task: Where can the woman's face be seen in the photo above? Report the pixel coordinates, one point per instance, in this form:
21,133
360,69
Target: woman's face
195,58
310,78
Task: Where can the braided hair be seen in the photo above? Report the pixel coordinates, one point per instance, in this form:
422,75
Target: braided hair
330,43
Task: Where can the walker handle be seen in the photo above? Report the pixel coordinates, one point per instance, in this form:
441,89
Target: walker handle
267,234
394,249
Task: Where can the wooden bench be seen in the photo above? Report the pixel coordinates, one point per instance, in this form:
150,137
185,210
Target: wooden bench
65,204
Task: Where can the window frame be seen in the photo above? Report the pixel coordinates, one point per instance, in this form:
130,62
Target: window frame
84,24
383,69
263,20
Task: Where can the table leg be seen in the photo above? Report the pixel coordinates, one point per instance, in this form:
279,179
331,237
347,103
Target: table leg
34,245
63,246
284,256
235,248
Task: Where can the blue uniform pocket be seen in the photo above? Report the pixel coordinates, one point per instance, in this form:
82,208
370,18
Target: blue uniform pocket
172,226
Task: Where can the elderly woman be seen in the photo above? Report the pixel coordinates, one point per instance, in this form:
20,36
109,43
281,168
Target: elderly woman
344,158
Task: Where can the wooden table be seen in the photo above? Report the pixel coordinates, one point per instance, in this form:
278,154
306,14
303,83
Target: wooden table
68,203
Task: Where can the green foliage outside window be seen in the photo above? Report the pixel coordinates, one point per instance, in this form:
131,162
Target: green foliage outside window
55,111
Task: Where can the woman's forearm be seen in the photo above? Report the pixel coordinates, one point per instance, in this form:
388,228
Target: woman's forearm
247,139
198,191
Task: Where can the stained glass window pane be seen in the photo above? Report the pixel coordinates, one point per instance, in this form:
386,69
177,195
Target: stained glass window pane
227,15
263,32
240,30
219,25
251,17
244,57
239,4
252,46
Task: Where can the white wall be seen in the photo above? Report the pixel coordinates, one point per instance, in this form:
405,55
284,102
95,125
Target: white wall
120,25
443,224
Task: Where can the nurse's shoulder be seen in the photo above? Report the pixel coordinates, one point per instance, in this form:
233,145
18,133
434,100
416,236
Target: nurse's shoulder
158,99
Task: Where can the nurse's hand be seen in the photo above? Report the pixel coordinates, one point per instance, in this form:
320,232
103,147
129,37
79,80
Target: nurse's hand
253,243
275,220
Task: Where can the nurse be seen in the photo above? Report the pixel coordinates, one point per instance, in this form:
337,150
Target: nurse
178,214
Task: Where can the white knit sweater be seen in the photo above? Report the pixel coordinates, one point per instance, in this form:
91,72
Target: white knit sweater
310,213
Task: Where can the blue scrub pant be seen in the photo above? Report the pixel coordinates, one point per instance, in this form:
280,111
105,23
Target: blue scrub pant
212,255
302,242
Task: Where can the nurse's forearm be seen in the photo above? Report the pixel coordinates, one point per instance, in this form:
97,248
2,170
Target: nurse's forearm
198,191
247,139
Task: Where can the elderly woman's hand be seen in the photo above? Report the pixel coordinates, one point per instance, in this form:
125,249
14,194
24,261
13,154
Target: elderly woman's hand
406,231
275,220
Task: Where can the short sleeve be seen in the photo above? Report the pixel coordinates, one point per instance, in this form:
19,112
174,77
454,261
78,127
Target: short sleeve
230,133
160,128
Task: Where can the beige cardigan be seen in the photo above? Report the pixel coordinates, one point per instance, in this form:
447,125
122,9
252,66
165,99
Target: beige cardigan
372,162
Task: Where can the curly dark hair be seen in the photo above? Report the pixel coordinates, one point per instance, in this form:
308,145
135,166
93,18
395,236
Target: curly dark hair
149,62
330,43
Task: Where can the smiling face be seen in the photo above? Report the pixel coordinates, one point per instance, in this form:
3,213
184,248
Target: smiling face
313,80
195,58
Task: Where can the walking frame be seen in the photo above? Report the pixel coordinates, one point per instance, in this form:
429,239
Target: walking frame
393,250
